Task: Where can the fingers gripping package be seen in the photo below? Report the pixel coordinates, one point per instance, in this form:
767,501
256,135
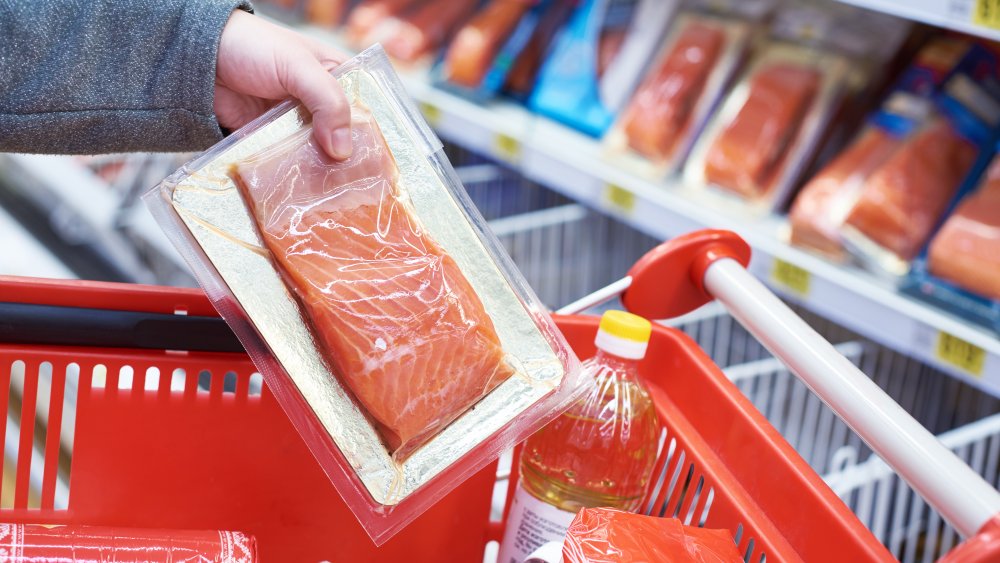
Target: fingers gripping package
387,321
703,49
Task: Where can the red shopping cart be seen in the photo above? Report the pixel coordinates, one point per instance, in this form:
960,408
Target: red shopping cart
169,432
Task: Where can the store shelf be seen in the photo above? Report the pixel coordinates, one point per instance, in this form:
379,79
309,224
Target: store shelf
573,164
978,17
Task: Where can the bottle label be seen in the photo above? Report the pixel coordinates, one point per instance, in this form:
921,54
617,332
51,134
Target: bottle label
531,524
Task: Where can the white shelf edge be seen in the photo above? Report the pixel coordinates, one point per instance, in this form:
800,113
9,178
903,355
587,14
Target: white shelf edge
949,14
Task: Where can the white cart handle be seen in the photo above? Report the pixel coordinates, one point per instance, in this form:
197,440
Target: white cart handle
963,498
688,271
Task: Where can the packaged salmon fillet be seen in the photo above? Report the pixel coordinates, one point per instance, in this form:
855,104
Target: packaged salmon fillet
606,535
475,47
598,59
521,77
368,14
766,131
419,33
960,270
698,59
966,251
326,13
35,543
904,201
819,212
383,314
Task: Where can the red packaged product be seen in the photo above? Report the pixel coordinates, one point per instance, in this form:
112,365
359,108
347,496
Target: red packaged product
966,251
426,29
325,12
415,361
904,199
821,208
521,78
750,149
33,543
663,104
605,535
370,13
475,46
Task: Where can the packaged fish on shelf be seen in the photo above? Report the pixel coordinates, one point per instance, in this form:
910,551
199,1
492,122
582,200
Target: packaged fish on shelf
524,72
960,270
368,14
327,13
598,59
796,96
822,207
486,50
702,51
415,35
905,199
386,319
766,132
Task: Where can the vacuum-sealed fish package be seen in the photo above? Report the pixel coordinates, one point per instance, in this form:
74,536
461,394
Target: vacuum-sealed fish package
769,126
386,319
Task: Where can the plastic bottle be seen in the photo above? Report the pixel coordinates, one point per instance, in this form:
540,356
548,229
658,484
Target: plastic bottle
600,452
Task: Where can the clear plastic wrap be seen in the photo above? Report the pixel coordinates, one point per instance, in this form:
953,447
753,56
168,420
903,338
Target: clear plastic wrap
687,77
766,131
35,543
966,251
472,52
605,535
387,320
820,210
903,200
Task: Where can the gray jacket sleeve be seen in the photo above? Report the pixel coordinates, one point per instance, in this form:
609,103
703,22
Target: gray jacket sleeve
94,76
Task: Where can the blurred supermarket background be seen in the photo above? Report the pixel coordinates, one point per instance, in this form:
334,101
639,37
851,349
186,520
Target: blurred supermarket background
851,148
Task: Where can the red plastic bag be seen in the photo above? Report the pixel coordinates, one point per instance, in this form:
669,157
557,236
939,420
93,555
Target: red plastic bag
606,535
30,543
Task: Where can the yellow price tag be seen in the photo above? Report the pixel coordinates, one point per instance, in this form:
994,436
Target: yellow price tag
987,13
961,354
431,112
791,276
619,199
507,148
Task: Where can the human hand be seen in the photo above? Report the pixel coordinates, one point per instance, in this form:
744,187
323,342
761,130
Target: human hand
261,63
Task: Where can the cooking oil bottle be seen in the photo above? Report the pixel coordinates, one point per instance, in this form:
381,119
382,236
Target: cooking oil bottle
600,452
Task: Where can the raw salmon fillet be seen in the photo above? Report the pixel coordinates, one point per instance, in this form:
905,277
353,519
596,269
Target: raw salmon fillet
966,250
746,155
426,29
904,199
821,208
521,79
660,110
476,45
370,13
395,316
326,13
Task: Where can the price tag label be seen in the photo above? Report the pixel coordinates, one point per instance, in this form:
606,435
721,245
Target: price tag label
431,112
987,13
507,148
791,276
961,354
619,198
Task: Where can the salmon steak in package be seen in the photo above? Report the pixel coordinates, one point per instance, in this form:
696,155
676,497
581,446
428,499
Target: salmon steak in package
388,322
703,49
769,127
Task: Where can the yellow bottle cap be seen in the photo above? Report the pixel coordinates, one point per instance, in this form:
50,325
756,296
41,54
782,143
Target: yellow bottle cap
626,326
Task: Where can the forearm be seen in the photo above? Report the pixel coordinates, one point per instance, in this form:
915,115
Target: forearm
109,75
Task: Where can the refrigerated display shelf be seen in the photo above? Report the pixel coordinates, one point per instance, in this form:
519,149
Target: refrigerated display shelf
573,163
978,17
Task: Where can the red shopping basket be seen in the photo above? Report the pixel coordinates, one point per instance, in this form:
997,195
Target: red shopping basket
154,446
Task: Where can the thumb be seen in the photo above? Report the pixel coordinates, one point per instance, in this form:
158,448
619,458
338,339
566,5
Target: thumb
307,80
